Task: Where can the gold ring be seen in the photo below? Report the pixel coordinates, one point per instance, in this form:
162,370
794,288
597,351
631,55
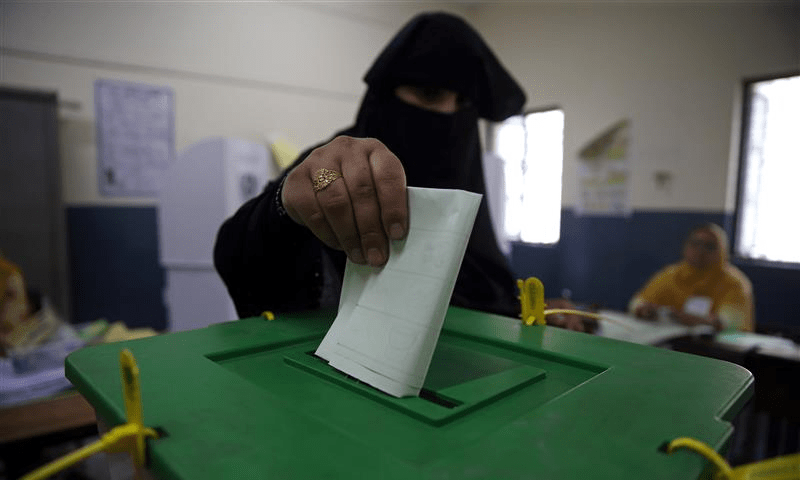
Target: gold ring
324,177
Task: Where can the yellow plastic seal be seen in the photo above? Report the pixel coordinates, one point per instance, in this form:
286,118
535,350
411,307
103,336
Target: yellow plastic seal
786,467
128,437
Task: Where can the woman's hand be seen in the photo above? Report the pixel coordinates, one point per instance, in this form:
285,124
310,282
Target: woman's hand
570,321
692,320
646,310
357,204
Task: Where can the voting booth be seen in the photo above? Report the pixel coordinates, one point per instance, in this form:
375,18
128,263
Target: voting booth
208,181
249,399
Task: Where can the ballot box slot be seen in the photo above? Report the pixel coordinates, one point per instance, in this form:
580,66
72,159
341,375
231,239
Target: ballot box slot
444,398
425,394
433,397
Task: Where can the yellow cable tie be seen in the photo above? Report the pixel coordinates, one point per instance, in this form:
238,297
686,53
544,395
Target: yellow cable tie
724,470
786,467
580,313
531,299
586,314
129,437
66,461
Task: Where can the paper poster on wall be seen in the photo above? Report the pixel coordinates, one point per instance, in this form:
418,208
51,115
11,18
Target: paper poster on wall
135,136
603,173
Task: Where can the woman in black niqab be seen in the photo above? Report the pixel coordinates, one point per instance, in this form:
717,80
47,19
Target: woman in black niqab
440,150
437,150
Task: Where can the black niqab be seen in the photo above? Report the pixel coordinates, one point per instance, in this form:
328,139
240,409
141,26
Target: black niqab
441,50
440,150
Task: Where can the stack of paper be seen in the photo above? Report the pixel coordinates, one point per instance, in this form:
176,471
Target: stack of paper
624,326
389,318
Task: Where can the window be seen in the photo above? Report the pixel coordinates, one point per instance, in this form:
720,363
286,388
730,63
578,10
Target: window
767,225
531,147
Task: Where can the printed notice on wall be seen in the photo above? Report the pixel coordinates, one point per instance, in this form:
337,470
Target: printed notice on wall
603,173
135,136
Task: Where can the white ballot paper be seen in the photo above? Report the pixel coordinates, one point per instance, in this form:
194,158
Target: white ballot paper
389,317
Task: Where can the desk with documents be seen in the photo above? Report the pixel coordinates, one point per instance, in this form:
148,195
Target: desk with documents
248,399
626,327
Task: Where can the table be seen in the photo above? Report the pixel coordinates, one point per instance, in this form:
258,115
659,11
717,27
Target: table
26,428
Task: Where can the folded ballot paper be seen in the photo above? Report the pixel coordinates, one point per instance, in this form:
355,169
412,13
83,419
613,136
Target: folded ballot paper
389,317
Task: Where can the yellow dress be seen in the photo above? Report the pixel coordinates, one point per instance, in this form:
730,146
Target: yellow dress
728,289
13,301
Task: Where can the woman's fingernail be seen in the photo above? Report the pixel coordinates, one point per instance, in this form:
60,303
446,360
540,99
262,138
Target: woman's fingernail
357,257
396,231
375,257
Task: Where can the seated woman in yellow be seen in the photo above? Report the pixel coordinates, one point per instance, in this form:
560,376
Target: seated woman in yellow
704,288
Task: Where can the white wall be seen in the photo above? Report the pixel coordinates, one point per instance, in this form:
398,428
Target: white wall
673,68
294,68
247,70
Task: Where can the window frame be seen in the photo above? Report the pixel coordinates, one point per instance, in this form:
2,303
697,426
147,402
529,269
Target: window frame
490,132
744,136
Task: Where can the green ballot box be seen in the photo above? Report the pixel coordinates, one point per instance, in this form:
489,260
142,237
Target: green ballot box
249,400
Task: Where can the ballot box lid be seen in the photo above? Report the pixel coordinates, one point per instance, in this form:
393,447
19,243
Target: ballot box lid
248,399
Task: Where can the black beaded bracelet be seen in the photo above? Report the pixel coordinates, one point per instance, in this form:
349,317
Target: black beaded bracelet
278,201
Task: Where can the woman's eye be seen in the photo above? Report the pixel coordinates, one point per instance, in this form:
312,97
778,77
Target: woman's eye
431,94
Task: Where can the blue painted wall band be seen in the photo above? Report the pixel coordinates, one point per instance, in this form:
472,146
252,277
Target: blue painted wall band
115,271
